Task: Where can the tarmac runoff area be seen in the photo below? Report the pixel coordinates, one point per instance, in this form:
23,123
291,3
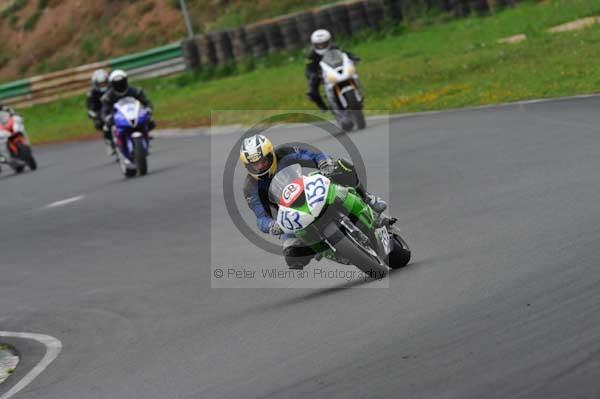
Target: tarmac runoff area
501,206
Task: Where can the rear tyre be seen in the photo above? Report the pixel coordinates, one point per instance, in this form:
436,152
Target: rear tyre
400,255
141,160
25,154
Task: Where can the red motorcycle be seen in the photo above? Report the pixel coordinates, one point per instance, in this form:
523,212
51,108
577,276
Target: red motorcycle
13,136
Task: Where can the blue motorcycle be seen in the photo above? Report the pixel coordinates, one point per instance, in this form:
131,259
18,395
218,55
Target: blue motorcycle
131,136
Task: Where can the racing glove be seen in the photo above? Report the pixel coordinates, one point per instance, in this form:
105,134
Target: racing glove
326,167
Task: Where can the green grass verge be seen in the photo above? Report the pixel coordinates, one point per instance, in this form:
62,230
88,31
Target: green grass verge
425,66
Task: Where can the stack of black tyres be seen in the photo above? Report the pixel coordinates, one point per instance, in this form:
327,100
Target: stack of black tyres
190,54
306,25
323,19
239,45
341,20
223,47
375,13
257,40
206,48
480,7
357,13
274,36
459,8
289,32
394,9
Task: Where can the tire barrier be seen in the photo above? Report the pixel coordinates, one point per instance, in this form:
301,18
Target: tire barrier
323,19
480,7
190,54
306,25
357,13
240,46
255,40
375,14
207,50
274,37
393,8
223,48
341,20
459,8
289,32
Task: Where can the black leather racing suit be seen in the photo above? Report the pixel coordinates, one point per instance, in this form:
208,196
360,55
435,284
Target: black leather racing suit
94,108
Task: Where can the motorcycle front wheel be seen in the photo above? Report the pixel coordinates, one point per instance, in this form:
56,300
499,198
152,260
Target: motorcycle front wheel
400,255
356,111
24,153
141,160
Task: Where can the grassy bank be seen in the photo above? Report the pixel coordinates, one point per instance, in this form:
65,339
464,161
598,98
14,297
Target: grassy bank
425,66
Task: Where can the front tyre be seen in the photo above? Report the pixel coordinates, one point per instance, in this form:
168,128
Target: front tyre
139,153
400,254
25,154
127,172
359,117
355,108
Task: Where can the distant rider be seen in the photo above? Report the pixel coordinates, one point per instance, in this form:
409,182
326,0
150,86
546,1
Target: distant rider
94,106
118,89
6,108
262,162
321,43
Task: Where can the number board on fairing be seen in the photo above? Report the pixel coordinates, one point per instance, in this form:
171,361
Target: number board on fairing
291,220
316,188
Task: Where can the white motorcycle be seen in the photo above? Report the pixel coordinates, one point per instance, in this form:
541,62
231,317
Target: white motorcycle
14,139
342,88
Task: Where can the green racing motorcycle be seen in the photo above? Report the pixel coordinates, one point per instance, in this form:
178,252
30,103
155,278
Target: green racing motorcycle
333,220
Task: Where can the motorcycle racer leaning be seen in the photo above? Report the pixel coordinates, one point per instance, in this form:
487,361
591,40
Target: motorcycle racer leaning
263,161
119,89
321,43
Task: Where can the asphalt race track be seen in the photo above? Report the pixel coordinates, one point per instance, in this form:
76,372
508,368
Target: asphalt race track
502,298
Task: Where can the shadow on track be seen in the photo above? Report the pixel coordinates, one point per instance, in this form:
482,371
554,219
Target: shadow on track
321,293
370,125
314,295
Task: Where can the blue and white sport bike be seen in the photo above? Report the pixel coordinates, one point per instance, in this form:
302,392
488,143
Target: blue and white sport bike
131,136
